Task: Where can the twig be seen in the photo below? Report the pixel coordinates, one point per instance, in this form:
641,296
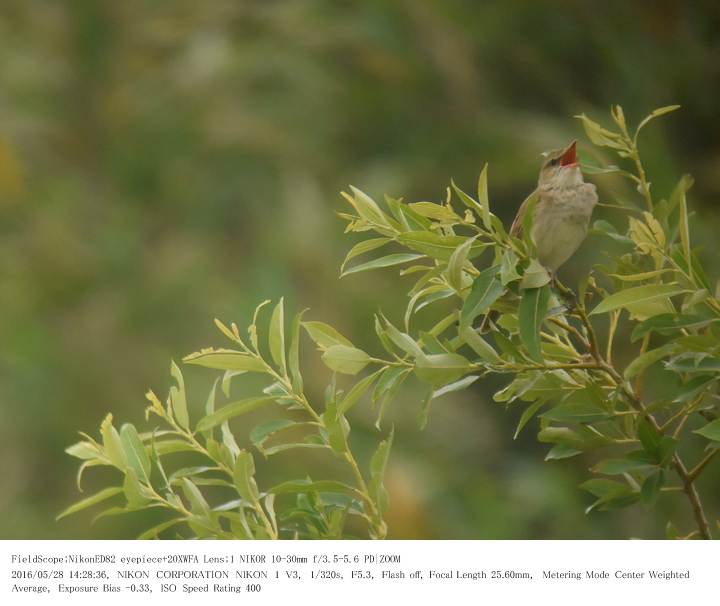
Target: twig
700,467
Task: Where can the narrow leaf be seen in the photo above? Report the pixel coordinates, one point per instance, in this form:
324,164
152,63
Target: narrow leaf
637,295
225,359
244,477
178,400
711,431
486,289
387,261
112,445
363,247
135,452
294,354
533,307
276,337
231,410
98,497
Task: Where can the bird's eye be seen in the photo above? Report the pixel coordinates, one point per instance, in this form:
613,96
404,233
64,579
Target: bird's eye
554,161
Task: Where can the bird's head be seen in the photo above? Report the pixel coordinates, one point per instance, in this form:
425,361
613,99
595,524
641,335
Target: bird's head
560,167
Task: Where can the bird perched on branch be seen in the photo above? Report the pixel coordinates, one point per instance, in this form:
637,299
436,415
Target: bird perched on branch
560,209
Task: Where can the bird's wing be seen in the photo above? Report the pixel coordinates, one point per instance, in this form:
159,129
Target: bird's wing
516,229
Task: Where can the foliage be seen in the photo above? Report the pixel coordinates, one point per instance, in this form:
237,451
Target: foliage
504,314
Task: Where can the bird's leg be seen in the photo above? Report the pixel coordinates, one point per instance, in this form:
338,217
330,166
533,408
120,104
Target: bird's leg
568,296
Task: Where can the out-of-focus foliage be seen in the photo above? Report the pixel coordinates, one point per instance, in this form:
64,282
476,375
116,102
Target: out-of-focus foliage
161,164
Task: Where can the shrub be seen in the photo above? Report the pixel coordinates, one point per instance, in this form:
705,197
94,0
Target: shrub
543,336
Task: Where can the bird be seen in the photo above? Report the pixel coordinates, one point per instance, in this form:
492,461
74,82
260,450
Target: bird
561,207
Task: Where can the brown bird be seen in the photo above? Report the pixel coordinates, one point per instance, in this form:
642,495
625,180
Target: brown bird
561,208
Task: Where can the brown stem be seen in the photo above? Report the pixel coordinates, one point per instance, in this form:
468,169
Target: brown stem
700,467
694,498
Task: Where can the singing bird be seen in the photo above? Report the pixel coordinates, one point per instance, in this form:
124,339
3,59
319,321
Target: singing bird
561,208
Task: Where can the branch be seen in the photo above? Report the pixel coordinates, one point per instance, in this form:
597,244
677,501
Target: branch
686,477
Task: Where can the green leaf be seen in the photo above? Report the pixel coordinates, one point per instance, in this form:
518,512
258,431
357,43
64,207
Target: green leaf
388,379
430,294
424,414
432,210
276,337
198,504
483,198
363,247
367,208
226,331
561,451
603,488
225,359
435,245
345,360
244,477
647,359
186,472
614,467
578,437
611,494
456,386
324,335
533,307
508,267
637,295
486,289
263,431
135,452
403,340
668,324
642,276
337,428
528,414
649,437
479,345
357,392
387,261
378,464
651,486
272,450
681,189
98,497
178,400
456,264
155,531
440,369
578,407
294,354
601,136
656,113
84,450
233,409
694,364
112,445
711,431
535,276
303,486
688,390
164,447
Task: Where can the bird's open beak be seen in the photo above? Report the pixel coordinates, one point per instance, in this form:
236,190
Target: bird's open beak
569,157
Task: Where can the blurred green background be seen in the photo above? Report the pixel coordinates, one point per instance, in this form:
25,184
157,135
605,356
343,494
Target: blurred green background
162,164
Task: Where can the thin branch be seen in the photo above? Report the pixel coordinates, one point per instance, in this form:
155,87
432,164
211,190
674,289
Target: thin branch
700,467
